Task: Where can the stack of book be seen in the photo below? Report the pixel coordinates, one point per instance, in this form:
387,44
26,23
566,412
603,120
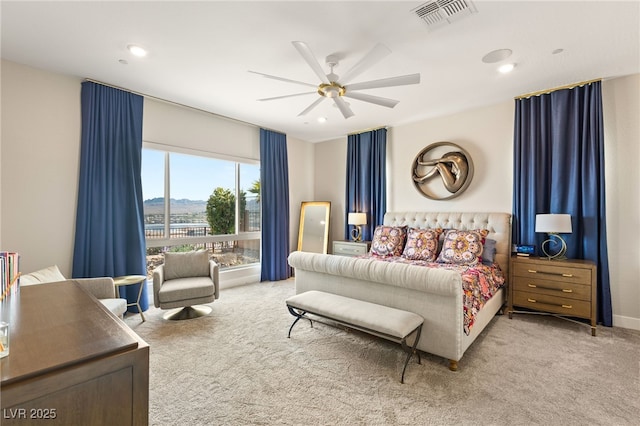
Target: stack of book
9,273
525,250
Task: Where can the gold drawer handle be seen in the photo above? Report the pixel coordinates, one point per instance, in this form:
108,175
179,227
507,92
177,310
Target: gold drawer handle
535,301
564,290
533,271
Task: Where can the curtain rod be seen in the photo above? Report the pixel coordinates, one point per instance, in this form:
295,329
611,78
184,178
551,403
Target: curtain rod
176,103
568,86
366,130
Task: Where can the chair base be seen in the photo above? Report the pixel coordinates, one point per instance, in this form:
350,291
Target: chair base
188,312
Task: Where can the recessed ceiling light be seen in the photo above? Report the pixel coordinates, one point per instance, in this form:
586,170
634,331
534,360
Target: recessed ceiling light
322,119
496,56
506,68
137,50
123,61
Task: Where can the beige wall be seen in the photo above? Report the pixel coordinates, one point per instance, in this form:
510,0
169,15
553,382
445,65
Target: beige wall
487,134
330,181
40,157
301,172
621,102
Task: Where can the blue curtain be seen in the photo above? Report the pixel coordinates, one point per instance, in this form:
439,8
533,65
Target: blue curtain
366,179
559,168
109,238
274,187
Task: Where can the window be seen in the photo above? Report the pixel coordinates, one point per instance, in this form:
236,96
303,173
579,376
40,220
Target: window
213,204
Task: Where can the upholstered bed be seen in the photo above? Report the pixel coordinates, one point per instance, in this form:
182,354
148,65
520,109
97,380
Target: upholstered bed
436,294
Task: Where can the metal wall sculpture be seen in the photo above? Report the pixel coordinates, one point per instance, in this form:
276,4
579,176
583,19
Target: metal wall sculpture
446,161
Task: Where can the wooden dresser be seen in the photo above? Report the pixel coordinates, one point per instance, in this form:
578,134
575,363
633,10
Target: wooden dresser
566,288
351,248
72,362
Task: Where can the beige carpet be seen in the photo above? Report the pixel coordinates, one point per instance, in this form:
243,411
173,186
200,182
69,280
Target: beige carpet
237,367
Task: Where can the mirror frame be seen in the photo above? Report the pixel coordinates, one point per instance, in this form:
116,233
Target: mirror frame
303,207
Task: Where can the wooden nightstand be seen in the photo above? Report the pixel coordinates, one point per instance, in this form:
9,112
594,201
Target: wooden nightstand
351,248
563,288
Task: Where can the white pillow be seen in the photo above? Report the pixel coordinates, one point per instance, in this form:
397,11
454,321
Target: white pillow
48,275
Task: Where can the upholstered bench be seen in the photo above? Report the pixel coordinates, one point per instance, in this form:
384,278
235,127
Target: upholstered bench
390,323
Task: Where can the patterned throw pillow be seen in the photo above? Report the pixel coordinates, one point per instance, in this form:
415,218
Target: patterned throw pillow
463,247
422,244
388,240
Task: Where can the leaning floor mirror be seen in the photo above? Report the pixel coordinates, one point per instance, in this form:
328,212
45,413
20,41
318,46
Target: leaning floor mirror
313,235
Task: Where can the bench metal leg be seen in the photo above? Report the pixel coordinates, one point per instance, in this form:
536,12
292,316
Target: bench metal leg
298,316
410,351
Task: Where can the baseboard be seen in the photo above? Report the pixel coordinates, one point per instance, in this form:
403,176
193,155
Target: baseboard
626,322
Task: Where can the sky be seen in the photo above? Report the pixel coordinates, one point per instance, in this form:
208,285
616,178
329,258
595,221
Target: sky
192,177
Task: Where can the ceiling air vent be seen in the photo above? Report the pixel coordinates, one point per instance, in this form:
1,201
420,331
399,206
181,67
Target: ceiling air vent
437,12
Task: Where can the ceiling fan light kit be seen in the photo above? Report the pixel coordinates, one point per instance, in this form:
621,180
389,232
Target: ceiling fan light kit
331,90
336,88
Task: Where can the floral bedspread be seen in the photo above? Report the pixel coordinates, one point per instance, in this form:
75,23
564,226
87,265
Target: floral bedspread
479,283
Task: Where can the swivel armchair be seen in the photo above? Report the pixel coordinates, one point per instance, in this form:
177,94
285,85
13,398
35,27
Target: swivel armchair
186,280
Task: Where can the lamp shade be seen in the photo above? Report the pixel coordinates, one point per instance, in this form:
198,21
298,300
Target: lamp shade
553,223
357,219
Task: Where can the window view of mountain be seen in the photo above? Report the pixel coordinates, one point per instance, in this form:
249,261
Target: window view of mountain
156,206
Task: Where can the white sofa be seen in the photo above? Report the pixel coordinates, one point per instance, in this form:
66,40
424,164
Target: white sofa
101,288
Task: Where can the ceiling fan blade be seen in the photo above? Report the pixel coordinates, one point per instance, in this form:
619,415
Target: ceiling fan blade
287,96
376,54
310,58
385,82
312,106
385,102
273,77
343,107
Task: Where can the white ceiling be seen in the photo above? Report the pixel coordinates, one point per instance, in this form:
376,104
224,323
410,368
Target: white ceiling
200,53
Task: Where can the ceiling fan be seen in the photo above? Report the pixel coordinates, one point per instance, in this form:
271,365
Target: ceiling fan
336,87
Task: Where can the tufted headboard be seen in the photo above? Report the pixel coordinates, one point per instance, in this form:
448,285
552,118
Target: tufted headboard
498,225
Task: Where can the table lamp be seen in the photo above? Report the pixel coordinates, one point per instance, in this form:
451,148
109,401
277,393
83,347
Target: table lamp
554,224
357,219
